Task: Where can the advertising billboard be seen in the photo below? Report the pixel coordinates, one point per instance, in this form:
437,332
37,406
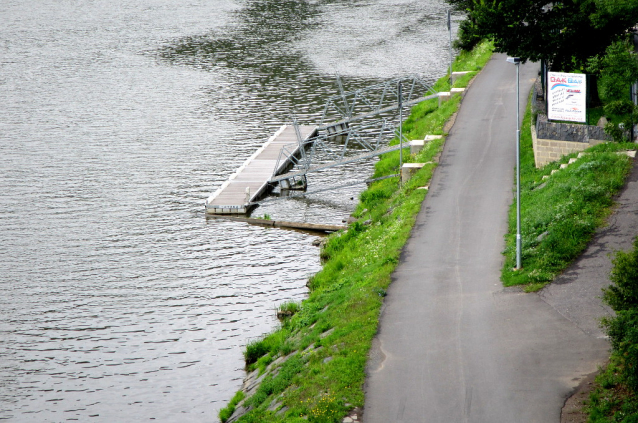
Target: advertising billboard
566,96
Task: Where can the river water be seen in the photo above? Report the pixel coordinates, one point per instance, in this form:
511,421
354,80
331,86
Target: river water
121,301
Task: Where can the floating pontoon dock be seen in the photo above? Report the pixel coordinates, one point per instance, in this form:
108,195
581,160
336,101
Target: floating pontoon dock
251,181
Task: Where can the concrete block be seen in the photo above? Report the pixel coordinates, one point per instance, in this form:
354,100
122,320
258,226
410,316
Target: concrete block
602,122
429,138
564,165
457,91
416,146
572,161
457,75
410,169
444,96
554,171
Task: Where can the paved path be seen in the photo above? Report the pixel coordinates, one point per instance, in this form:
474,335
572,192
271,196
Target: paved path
453,344
572,292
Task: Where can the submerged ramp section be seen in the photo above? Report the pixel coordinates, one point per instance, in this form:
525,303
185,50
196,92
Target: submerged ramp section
251,181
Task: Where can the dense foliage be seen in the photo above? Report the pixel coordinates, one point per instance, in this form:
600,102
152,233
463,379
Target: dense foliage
614,400
617,69
564,34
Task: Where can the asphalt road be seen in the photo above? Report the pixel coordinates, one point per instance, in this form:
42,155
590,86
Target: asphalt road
453,344
573,294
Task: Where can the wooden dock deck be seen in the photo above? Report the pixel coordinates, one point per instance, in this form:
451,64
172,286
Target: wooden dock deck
251,181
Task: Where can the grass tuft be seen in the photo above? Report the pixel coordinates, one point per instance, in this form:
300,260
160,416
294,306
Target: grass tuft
287,310
226,412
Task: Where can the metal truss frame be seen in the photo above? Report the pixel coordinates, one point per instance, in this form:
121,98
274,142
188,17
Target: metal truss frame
365,117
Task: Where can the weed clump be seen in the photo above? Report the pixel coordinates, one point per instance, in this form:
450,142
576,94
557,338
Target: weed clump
226,412
287,310
255,350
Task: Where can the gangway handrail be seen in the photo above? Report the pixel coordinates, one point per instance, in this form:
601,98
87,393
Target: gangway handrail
347,160
376,112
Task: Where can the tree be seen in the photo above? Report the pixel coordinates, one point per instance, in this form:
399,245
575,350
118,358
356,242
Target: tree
564,34
468,35
617,69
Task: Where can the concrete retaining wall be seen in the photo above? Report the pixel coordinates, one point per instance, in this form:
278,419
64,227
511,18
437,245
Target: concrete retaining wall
552,141
548,150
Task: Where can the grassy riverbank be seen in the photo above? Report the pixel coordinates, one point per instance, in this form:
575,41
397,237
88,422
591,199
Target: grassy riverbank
312,367
561,211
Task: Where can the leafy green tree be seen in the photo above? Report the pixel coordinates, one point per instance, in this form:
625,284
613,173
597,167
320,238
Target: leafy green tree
617,69
468,35
564,34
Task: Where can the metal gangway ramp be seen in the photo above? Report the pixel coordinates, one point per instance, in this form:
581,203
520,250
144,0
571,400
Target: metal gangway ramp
364,117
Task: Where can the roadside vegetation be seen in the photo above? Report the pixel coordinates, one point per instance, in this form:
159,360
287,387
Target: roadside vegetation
560,211
312,366
599,41
614,397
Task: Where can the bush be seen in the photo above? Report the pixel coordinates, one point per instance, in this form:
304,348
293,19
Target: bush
615,397
468,36
623,333
254,350
623,293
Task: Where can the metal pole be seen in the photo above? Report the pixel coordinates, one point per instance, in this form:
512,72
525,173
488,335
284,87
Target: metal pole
400,132
449,29
518,175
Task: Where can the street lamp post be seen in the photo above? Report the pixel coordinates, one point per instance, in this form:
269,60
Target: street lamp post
517,61
400,94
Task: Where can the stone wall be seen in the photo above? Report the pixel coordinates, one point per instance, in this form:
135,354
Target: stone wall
568,132
551,141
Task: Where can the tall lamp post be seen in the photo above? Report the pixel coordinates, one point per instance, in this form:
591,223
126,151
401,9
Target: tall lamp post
400,95
517,61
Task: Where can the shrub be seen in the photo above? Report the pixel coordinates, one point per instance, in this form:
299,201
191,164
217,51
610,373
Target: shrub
623,293
254,350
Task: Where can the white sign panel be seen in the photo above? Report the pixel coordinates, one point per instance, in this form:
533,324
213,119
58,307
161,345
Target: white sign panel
567,96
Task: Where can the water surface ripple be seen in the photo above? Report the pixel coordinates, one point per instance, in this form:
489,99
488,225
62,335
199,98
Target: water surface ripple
121,301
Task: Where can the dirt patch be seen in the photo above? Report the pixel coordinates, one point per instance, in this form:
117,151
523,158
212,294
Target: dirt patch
573,410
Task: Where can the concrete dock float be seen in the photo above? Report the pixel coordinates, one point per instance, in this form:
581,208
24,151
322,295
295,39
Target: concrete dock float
301,226
251,181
